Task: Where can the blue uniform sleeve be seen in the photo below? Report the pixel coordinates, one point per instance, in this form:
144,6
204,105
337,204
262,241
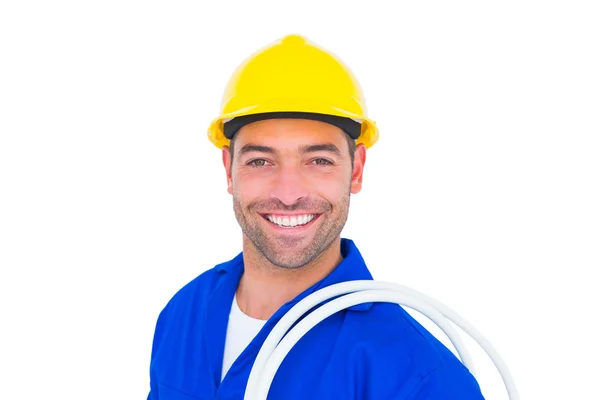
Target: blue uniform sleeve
450,381
153,393
156,342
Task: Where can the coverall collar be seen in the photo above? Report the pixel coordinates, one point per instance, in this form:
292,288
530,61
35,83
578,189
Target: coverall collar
352,267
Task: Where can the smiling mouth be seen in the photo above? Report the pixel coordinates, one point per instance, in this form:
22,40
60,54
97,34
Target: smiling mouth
290,221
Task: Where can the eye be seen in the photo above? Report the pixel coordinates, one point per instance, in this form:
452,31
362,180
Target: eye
321,161
259,162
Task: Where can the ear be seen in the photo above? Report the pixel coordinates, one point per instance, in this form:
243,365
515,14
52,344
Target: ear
360,156
227,164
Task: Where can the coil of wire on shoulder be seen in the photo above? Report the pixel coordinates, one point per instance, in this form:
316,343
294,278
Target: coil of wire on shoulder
351,293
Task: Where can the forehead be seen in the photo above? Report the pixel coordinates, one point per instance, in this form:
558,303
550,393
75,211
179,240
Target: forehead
284,132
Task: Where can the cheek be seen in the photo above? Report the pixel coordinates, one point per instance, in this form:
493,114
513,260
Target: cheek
332,187
249,186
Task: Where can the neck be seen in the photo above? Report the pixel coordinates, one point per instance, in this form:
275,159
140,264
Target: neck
264,287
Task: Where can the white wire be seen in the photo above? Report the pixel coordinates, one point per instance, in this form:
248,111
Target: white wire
349,300
318,297
323,295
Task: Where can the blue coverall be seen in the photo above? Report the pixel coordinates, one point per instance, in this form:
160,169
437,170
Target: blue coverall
372,351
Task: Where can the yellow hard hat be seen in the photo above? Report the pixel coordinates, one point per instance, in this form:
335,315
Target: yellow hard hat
291,76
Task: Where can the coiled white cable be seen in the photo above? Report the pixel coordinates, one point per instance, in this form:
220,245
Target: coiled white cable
275,349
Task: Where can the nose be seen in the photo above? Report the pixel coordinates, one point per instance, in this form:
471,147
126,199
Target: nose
290,186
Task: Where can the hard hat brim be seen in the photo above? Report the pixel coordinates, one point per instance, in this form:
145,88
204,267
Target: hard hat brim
348,125
369,133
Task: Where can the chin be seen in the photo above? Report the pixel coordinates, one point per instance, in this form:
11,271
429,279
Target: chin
289,259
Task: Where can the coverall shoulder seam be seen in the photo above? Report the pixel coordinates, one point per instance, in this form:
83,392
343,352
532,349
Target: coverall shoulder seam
424,377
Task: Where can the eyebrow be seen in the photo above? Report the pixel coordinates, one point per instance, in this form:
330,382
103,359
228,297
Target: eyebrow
248,148
321,147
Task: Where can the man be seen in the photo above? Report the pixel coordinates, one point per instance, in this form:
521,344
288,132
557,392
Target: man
294,134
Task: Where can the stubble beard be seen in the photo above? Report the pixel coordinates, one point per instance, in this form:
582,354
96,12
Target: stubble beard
285,251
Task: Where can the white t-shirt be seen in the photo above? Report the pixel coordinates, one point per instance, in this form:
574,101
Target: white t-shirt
241,329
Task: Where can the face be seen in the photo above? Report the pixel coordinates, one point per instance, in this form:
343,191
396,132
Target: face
291,181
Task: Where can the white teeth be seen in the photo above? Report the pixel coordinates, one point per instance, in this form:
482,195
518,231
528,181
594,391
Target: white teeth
293,221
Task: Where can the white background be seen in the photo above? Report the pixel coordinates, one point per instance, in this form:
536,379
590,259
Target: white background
482,192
